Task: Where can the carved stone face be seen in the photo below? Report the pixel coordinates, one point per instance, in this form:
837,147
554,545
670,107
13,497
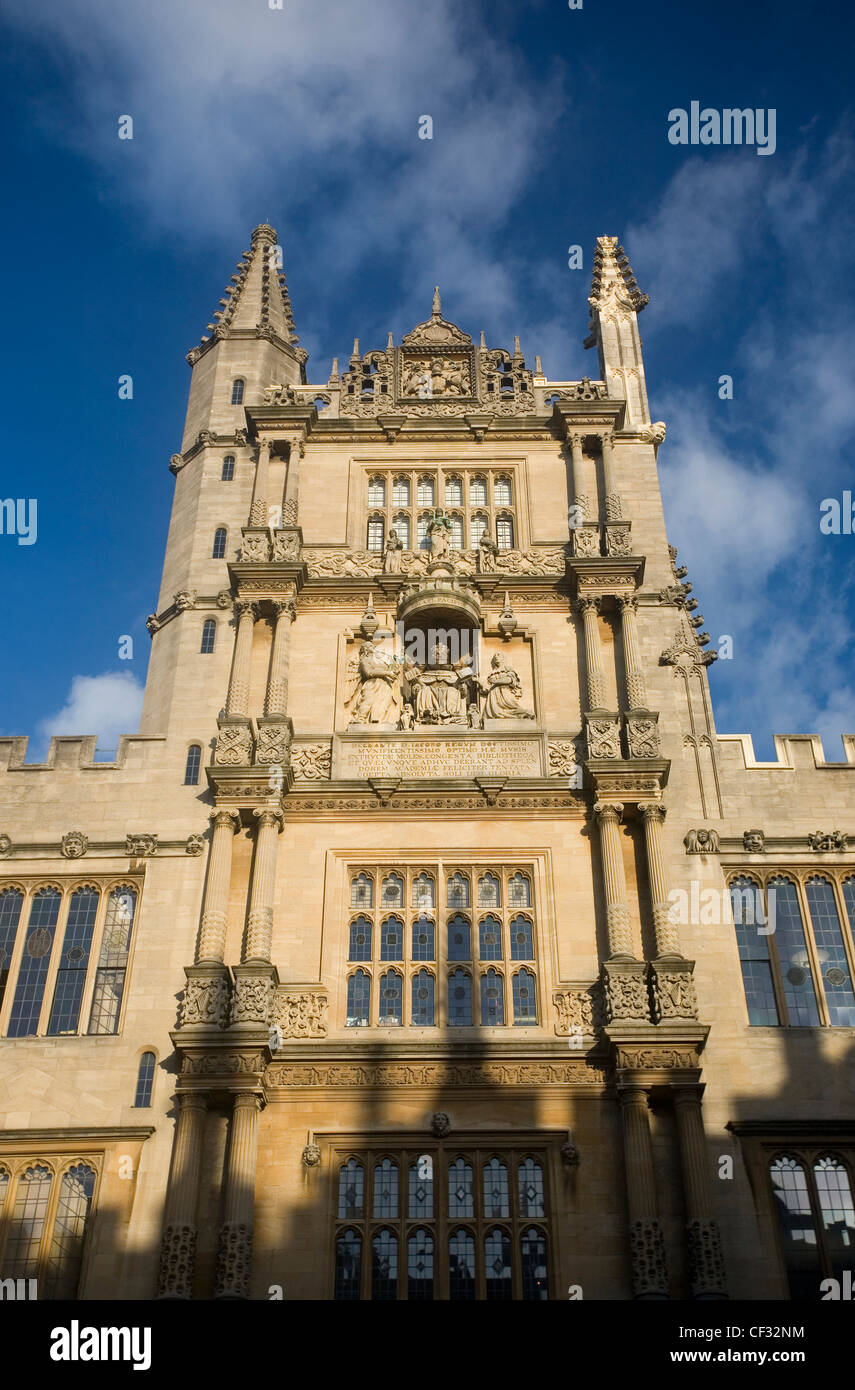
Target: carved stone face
440,654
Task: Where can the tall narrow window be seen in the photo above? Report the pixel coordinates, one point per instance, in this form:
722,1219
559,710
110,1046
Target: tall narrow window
505,533
525,1005
401,527
209,635
393,891
831,953
228,473
796,1226
519,891
376,492
27,1223
489,891
351,1190
461,1266
219,549
458,891
490,938
423,997
424,939
73,962
348,1266
426,492
376,535
492,1000
33,970
836,1211
533,1257
531,1191
502,491
113,961
66,1248
799,992
384,1267
401,492
358,999
453,492
237,391
392,939
192,766
420,1266
145,1081
752,939
362,891
497,1264
385,1202
360,939
422,532
459,945
522,946
456,532
11,902
423,891
479,522
460,999
478,491
391,999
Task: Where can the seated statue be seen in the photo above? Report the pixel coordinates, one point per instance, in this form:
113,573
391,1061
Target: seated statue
504,692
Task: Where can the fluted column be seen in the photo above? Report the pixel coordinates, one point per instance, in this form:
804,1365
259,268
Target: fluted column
617,910
234,1254
589,607
178,1245
647,1245
614,506
580,496
276,701
260,927
237,701
212,936
636,689
292,484
667,940
706,1262
258,515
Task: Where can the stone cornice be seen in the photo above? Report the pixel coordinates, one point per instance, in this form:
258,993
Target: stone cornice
74,1138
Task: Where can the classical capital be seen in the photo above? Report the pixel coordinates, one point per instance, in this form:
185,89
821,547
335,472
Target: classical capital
268,815
247,1100
283,606
608,810
652,810
587,603
219,816
244,606
628,603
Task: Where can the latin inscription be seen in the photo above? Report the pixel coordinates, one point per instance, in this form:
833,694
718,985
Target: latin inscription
439,758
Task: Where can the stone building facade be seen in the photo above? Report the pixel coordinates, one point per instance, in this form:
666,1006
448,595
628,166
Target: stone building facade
394,956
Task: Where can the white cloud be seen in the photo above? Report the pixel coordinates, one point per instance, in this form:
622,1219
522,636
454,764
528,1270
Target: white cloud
106,705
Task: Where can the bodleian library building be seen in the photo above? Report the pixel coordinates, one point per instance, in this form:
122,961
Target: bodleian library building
427,942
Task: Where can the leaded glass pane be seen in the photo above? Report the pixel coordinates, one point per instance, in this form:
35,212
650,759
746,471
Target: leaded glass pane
209,636
384,1267
362,891
461,1189
502,492
392,939
459,933
401,492
525,1000
424,939
351,1189
478,491
219,547
461,1266
792,951
423,1000
376,492
360,939
420,1199
401,527
73,962
522,945
32,972
376,535
497,1198
460,999
392,894
385,1204
113,961
391,999
479,522
796,1225
420,1250
490,938
348,1267
519,891
191,767
489,891
505,533
497,1265
426,492
11,902
453,492
26,1223
458,891
423,891
358,1000
66,1248
531,1194
836,1209
456,532
535,1281
145,1081
492,1000
831,953
422,532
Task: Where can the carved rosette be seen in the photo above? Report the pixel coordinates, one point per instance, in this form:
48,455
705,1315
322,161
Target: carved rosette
625,990
206,1001
300,1013
234,745
706,1261
673,993
177,1262
647,1252
642,735
603,734
234,1256
252,999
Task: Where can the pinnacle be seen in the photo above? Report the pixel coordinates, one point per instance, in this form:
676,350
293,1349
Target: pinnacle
612,270
256,299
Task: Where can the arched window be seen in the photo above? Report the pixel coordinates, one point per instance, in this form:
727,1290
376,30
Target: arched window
11,902
27,1223
193,764
237,390
453,492
422,532
384,1267
426,492
478,524
492,1000
489,891
424,945
73,962
525,1001
459,946
420,1250
505,533
799,992
358,1000
535,1280
360,939
423,891
478,491
376,492
209,636
456,532
401,492
219,549
531,1193
145,1081
423,1000
834,966
348,1267
836,1210
421,1191
497,1197
746,901
497,1265
351,1190
391,999
796,1225
519,891
33,970
522,946
502,491
461,1189
458,890
401,527
362,891
393,891
376,540
392,939
385,1203
460,999
461,1266
490,938
228,472
113,961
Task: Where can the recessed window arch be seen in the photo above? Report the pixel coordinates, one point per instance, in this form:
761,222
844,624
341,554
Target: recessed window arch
460,999
391,999
362,891
393,891
424,891
525,998
237,390
490,938
228,472
351,1189
535,1278
519,890
459,938
458,890
360,939
376,491
461,1266
502,491
145,1081
492,999
401,491
489,891
454,491
478,490
424,939
209,636
35,962
11,903
218,550
192,765
392,939
358,999
522,938
426,493
385,1190
348,1266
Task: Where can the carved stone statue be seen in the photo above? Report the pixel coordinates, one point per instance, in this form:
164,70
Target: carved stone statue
701,842
487,552
392,553
440,692
439,531
376,689
504,691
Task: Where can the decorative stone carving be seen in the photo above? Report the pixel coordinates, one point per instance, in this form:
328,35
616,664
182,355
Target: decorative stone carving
234,745
184,599
603,735
277,394
647,1252
544,560
825,843
224,1064
300,1014
578,1011
74,845
361,564
251,1001
176,463
562,758
311,1156
625,990
673,993
5,845
488,553
618,540
382,1076
569,1154
255,546
286,545
657,1058
706,1261
311,762
140,846
503,692
374,686
234,1254
586,539
642,736
701,842
754,841
177,1262
195,844
153,624
685,650
224,599
273,743
206,1000
240,437
440,1124
655,433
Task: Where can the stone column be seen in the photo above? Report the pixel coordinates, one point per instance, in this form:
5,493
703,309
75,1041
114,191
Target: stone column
276,702
234,1254
635,686
212,937
260,927
706,1263
617,910
258,511
178,1245
667,940
589,607
614,506
237,701
646,1241
580,497
292,483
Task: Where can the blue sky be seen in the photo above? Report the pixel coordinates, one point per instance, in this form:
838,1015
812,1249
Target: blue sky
550,128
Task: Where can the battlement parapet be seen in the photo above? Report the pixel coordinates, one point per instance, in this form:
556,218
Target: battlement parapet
77,752
793,751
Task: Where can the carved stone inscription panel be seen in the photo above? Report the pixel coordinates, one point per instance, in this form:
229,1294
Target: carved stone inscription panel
429,758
